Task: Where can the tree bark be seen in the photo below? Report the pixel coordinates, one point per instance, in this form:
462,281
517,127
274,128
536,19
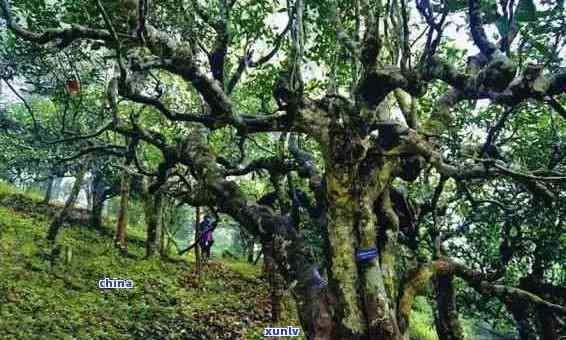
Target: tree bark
344,273
153,205
548,325
520,313
198,263
69,203
122,225
250,257
275,280
49,189
98,198
96,213
446,318
352,190
164,241
354,181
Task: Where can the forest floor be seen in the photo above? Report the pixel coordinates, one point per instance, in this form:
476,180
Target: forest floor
44,300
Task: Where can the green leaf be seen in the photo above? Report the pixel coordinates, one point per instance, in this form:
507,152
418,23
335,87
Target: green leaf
502,26
456,5
526,11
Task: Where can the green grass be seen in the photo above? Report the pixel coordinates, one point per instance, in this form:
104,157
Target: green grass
63,301
40,301
8,190
421,326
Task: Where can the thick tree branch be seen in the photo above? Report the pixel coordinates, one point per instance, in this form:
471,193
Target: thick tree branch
371,41
218,56
423,275
343,37
478,33
63,36
295,259
115,150
487,169
274,165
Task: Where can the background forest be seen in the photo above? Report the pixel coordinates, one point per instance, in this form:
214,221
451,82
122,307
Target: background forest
379,169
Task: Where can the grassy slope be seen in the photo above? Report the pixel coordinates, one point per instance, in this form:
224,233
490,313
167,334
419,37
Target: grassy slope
63,302
38,301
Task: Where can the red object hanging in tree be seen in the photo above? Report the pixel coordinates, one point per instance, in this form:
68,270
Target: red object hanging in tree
73,86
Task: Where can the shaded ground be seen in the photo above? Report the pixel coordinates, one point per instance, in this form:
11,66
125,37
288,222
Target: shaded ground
41,300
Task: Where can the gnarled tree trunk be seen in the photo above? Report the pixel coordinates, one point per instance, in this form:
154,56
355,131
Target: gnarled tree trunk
365,290
446,317
69,204
276,289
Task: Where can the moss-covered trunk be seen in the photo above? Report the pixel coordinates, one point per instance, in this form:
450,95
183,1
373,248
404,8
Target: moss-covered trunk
359,301
364,289
153,206
275,280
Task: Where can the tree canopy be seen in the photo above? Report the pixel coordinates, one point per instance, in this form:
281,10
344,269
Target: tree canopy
379,149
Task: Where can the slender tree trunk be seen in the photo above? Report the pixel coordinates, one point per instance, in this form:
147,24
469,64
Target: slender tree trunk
548,324
122,224
153,204
198,262
520,313
163,230
447,321
89,198
97,198
276,289
49,189
56,190
96,213
250,257
69,203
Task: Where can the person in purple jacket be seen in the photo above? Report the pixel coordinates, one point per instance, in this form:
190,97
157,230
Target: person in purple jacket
206,240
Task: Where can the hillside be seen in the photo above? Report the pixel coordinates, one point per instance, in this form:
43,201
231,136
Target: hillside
61,301
41,300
